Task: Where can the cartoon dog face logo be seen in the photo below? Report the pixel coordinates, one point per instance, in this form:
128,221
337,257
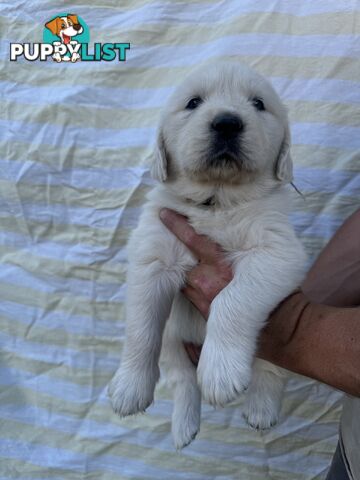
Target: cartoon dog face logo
65,28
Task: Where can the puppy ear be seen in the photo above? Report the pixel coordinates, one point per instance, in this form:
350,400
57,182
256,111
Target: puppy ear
73,18
53,26
284,165
158,168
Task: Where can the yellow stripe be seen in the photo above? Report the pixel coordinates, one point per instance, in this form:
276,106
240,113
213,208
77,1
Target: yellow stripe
62,158
59,156
172,33
68,303
103,413
123,450
103,346
100,272
96,117
29,470
155,77
64,233
113,199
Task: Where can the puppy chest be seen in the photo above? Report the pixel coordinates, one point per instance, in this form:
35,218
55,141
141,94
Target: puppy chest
232,233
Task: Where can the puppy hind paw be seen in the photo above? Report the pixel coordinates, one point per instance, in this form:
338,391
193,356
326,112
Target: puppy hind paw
260,413
184,433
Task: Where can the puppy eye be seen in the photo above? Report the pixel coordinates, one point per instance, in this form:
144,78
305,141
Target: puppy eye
193,103
63,25
258,104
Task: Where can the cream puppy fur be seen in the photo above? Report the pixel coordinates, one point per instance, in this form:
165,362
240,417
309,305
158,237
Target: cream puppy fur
222,159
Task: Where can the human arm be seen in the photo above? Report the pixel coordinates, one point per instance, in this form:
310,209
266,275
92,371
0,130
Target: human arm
316,340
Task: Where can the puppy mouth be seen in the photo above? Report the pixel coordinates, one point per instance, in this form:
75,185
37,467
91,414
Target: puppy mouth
223,158
224,154
66,38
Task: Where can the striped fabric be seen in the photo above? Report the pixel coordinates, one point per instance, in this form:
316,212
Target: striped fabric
74,139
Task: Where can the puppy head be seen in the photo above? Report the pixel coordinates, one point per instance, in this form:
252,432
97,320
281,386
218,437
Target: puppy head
224,124
65,27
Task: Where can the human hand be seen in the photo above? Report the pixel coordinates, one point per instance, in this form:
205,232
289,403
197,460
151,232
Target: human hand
208,277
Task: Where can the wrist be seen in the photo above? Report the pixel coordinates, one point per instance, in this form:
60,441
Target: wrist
282,326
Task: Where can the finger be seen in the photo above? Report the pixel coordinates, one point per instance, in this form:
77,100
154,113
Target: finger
195,276
193,352
200,245
207,279
197,299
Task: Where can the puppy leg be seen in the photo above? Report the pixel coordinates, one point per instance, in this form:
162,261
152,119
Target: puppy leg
187,411
224,368
57,57
151,288
263,398
75,56
181,376
185,322
236,317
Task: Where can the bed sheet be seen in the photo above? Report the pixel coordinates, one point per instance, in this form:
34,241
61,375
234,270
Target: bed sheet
75,139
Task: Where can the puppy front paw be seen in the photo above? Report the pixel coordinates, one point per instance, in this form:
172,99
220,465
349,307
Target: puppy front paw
262,412
131,392
75,57
223,374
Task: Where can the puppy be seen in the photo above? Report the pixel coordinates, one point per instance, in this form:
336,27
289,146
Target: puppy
222,159
65,28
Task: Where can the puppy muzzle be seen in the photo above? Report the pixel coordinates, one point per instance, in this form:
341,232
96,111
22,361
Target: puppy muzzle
226,129
227,125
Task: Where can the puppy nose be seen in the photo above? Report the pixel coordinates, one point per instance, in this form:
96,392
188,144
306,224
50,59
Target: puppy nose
227,124
77,26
